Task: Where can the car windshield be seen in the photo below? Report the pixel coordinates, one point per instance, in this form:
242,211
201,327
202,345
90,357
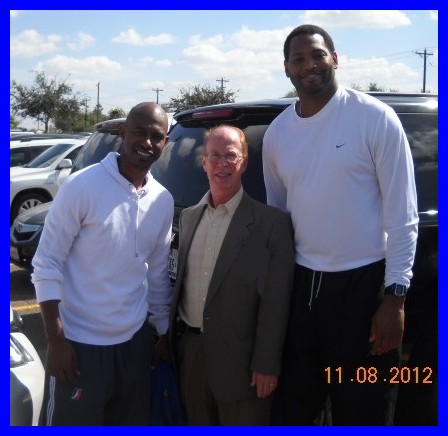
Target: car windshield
47,157
97,147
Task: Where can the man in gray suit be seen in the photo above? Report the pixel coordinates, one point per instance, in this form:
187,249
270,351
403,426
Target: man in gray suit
231,298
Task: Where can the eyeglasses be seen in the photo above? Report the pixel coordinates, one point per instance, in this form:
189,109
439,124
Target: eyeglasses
230,158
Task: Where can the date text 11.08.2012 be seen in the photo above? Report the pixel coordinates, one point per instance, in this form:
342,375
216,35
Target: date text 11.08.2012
371,375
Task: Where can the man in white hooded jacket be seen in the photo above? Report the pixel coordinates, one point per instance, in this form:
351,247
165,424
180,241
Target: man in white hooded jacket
101,266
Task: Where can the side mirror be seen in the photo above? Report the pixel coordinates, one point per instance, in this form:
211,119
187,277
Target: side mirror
64,163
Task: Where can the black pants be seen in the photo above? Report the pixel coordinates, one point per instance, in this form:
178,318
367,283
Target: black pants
112,389
327,350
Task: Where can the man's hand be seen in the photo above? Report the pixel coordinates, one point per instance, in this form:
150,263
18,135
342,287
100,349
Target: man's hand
62,361
265,383
161,350
387,328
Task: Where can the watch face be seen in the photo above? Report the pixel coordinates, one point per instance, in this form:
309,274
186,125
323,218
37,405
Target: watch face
397,290
400,290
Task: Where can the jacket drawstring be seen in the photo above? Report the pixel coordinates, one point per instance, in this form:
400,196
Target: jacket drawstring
312,288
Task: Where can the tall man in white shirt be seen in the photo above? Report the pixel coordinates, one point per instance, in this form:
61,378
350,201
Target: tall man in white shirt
338,160
232,294
101,266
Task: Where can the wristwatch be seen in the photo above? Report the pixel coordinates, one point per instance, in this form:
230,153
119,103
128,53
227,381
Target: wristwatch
396,289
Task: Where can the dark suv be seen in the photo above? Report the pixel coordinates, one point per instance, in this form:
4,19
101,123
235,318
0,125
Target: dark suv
179,169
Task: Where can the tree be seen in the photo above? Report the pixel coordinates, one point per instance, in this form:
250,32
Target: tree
168,107
13,123
372,86
87,121
47,99
292,93
68,116
202,95
116,113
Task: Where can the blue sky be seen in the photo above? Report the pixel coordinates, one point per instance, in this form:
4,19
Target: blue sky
132,53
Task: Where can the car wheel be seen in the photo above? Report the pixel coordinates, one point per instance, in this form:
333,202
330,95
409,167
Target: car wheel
25,202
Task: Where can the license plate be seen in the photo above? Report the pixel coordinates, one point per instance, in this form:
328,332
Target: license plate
172,263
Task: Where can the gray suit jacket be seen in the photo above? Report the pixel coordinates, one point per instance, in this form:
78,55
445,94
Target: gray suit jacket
247,306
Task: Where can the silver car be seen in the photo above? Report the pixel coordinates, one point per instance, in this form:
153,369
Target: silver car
38,181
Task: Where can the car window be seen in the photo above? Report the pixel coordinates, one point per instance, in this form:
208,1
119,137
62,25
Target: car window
180,161
23,155
46,158
17,156
98,145
72,155
36,151
422,133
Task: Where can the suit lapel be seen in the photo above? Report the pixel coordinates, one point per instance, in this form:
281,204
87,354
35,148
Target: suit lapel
189,224
237,233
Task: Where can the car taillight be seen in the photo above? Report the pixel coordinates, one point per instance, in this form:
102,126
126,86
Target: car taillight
214,114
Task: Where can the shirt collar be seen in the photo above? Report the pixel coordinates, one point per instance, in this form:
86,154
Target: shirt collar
231,205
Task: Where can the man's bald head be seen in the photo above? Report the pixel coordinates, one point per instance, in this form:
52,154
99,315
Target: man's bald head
148,109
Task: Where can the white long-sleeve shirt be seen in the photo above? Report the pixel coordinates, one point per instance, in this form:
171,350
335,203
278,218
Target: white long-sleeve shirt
104,253
346,176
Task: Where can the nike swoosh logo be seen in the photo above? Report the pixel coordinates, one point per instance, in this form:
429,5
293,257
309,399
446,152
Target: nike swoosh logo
340,145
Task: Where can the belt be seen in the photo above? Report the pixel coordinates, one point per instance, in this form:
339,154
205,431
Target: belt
195,330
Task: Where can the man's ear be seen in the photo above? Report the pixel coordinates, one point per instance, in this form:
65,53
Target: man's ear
244,164
335,60
286,69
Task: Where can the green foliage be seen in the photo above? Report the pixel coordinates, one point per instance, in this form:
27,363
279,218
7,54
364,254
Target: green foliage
13,123
292,93
55,100
116,113
168,107
72,124
46,99
371,87
201,95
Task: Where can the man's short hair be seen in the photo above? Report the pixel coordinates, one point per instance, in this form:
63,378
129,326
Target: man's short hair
308,29
241,134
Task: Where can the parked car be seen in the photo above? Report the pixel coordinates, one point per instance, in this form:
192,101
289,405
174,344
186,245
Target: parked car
26,387
19,132
38,181
24,147
179,169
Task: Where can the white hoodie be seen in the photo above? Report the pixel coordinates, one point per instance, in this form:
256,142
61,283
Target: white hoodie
104,253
